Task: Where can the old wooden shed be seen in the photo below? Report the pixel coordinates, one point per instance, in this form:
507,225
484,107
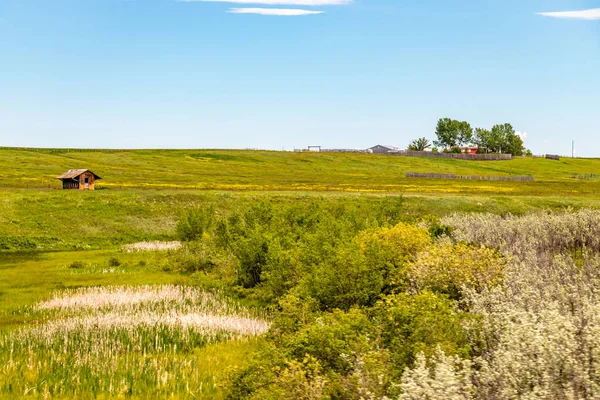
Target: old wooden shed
79,179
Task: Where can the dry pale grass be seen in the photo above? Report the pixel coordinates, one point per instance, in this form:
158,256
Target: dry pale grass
119,341
151,246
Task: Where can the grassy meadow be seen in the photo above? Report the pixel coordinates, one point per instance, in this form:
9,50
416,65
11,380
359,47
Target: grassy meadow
285,171
294,216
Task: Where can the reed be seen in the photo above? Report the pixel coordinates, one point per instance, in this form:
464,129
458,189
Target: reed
121,341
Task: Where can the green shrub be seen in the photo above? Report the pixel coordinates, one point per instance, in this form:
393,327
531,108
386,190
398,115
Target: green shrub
411,324
281,271
447,268
77,265
114,262
200,256
388,250
435,227
345,280
193,223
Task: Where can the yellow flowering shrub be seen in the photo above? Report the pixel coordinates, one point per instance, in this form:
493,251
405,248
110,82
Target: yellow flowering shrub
396,245
390,250
446,268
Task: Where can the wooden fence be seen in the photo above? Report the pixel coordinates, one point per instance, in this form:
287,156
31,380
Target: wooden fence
473,157
552,157
343,151
472,178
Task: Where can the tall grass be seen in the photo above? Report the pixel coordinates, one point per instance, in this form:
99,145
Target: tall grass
151,246
121,341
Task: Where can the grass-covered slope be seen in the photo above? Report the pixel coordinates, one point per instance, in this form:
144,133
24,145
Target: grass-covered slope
267,170
143,192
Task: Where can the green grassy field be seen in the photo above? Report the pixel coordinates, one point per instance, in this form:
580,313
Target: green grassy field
283,171
43,230
144,191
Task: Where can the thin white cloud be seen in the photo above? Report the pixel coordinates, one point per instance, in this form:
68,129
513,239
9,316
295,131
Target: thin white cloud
281,12
310,3
593,14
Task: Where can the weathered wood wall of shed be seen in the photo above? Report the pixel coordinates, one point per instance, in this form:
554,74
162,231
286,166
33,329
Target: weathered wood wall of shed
91,181
70,184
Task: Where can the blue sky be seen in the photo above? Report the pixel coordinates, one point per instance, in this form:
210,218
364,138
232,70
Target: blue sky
192,74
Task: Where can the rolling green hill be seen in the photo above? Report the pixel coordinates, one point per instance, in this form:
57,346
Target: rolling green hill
143,192
285,171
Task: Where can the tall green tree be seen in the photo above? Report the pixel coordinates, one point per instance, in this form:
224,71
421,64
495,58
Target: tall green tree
451,133
514,144
502,138
419,144
465,133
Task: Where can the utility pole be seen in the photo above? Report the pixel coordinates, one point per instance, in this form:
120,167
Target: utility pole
573,149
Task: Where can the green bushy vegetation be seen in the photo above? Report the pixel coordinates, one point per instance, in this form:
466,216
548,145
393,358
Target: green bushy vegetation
382,291
361,300
345,285
65,220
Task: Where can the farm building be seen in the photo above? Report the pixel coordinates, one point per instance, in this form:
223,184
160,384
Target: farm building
79,179
381,149
473,150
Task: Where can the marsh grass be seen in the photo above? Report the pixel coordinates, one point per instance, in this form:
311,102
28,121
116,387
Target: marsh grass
121,341
151,246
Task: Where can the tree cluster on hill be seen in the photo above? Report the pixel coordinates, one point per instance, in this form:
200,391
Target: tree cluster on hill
451,134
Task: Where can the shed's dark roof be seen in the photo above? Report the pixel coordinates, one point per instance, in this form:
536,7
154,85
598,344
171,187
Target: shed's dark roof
74,173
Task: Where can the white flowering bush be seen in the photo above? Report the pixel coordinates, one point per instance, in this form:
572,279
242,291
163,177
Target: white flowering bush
540,333
542,231
537,335
443,377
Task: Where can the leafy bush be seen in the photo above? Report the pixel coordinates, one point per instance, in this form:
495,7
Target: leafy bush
77,265
396,245
193,223
345,280
389,250
436,228
447,268
281,271
330,337
202,256
411,324
332,356
114,262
